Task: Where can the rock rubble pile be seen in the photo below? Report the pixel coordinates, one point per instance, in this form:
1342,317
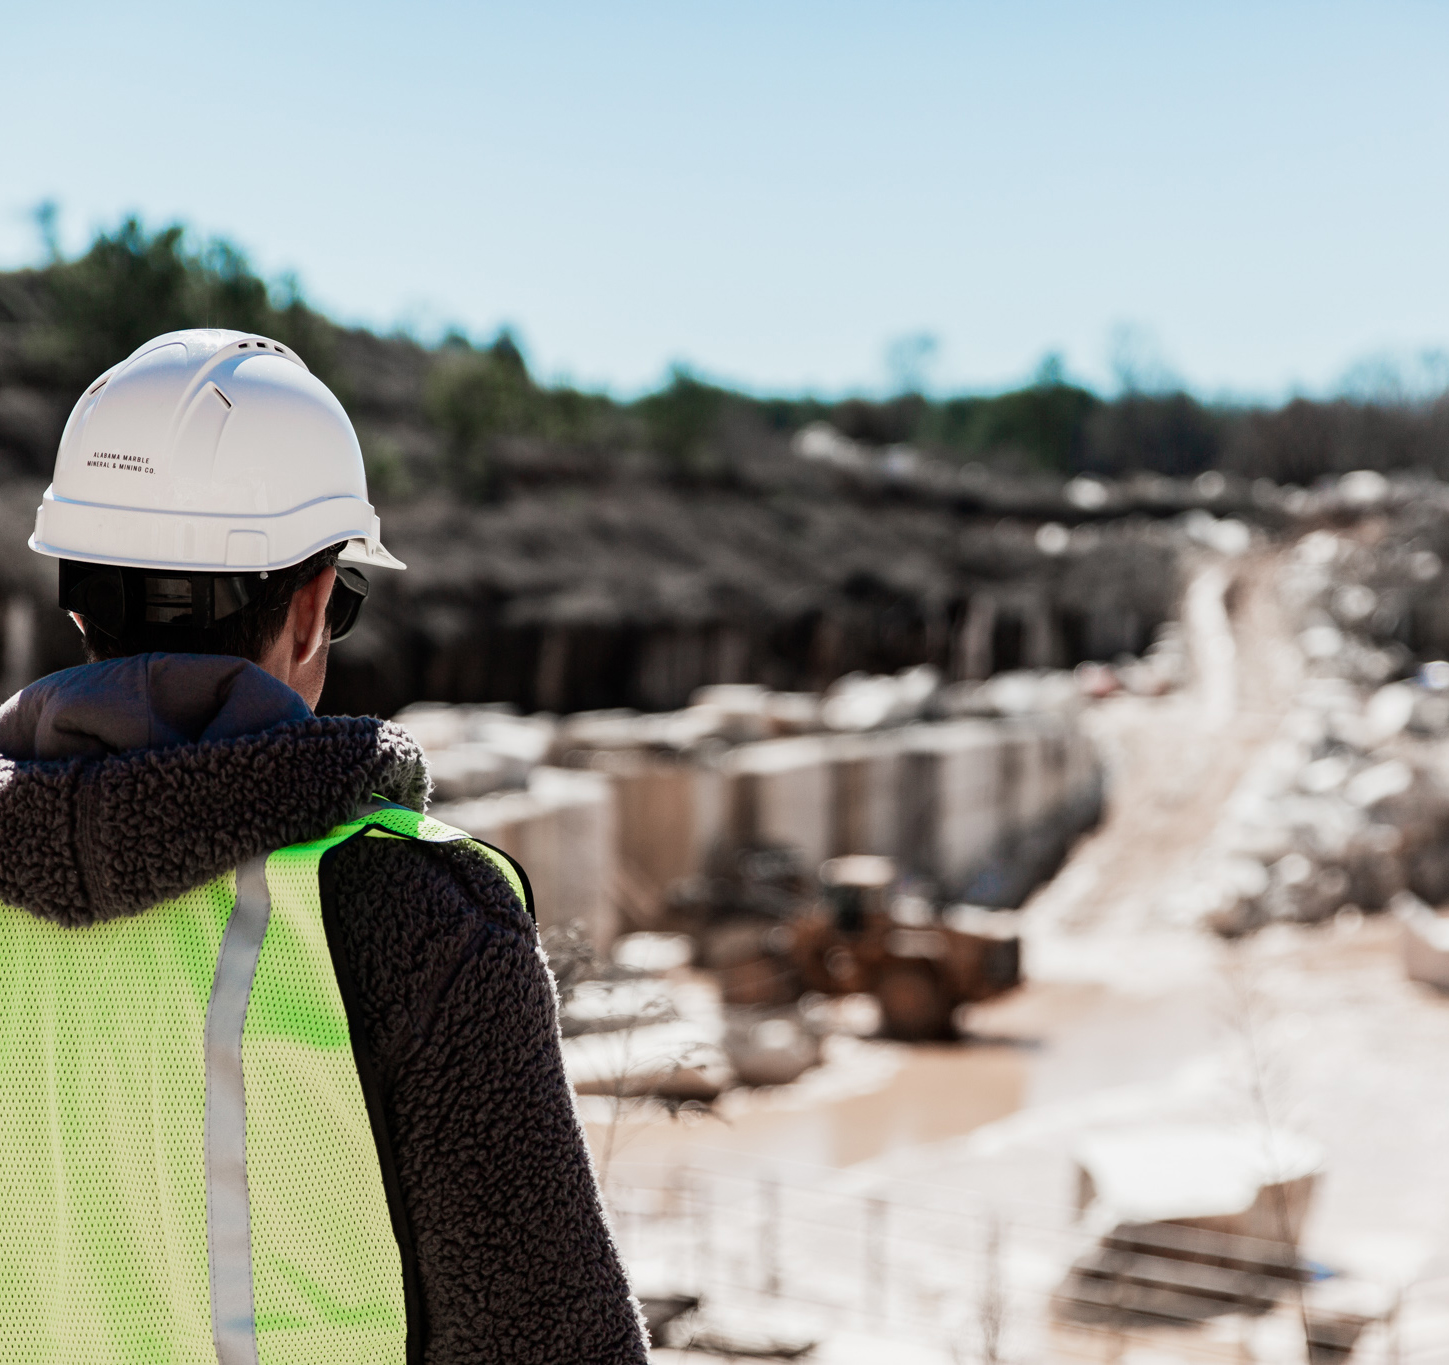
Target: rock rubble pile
1348,806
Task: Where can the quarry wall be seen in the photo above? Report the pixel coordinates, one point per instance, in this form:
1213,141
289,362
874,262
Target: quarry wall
976,809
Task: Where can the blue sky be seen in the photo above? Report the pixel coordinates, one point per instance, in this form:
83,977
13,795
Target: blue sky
1252,198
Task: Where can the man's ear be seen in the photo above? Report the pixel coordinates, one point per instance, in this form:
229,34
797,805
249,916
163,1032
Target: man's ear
309,616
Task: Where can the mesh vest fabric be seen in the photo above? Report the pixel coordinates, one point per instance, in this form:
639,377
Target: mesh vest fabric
104,1252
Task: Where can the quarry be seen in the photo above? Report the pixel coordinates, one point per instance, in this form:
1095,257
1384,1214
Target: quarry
1193,1128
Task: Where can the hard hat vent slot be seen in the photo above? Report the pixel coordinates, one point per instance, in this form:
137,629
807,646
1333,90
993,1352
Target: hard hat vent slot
221,395
97,387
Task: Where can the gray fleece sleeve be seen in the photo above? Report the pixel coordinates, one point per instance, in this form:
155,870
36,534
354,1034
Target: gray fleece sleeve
515,1260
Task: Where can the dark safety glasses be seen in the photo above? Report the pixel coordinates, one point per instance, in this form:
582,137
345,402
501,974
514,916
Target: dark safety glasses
348,595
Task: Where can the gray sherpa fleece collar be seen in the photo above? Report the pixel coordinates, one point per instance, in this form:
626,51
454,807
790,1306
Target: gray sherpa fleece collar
125,783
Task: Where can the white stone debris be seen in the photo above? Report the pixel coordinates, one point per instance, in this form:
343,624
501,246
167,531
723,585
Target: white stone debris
1349,806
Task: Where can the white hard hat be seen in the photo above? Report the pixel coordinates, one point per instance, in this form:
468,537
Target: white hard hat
207,451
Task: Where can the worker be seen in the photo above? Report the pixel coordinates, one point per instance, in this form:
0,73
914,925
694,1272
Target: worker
280,1076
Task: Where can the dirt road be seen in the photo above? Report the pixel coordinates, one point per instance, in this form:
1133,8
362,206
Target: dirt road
1173,761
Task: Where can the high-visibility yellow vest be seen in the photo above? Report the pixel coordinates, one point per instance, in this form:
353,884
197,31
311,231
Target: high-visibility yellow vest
192,1171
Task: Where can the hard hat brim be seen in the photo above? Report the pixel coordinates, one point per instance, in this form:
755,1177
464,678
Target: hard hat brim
156,539
372,554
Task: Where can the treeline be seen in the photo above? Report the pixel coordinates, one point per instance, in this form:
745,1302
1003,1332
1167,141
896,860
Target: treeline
473,419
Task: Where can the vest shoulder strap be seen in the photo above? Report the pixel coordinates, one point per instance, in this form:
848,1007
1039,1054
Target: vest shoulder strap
377,818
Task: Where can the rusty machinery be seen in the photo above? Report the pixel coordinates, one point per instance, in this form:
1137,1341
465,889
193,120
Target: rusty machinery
857,936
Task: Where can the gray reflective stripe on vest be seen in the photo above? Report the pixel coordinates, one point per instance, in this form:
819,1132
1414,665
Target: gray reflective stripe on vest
228,1205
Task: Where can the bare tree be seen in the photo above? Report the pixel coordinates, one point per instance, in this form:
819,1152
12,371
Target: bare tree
990,1316
1265,1089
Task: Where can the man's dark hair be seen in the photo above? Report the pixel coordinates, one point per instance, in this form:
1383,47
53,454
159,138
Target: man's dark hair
137,611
